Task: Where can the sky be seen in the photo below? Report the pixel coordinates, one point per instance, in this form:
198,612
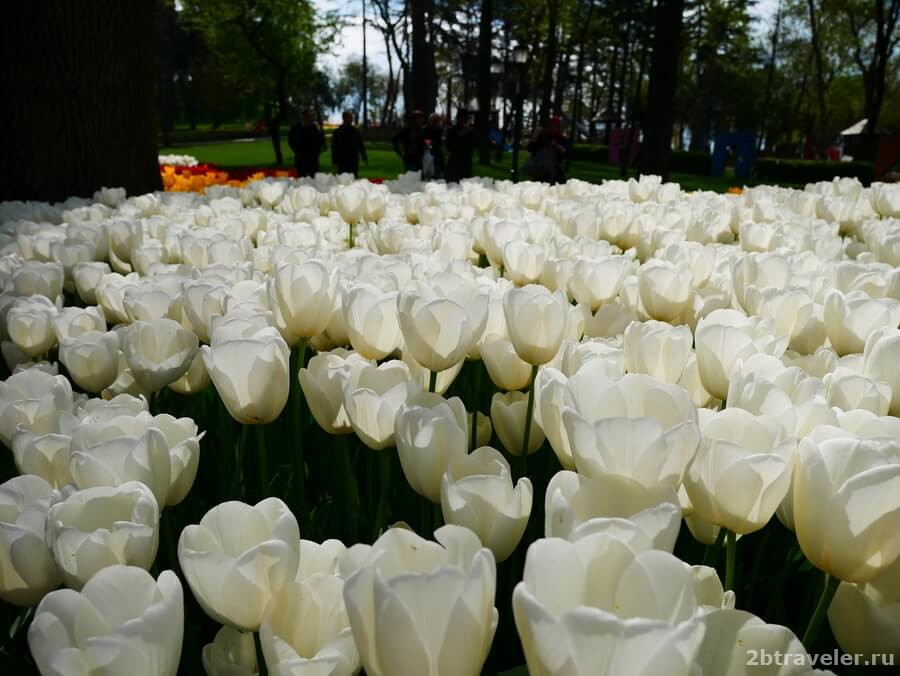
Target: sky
350,44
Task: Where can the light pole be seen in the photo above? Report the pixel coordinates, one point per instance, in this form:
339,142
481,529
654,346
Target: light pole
519,59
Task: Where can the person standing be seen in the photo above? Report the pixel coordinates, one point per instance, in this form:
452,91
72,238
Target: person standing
434,135
409,142
549,149
307,141
460,147
347,147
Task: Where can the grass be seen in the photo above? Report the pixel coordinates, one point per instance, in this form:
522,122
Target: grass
384,163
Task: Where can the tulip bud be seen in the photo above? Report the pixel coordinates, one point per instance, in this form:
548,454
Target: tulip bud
880,359
851,318
305,294
234,578
504,367
665,290
595,283
477,492
305,627
94,528
865,618
33,399
251,375
457,576
372,322
44,455
30,325
92,359
34,278
634,427
573,500
87,277
373,401
723,338
322,382
508,413
657,349
430,432
27,571
840,530
231,653
739,451
122,622
652,585
536,320
158,352
439,331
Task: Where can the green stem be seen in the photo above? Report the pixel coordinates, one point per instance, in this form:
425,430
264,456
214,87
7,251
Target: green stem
260,658
350,237
167,532
348,489
529,413
714,549
432,381
297,434
239,488
815,622
386,456
730,558
263,461
474,439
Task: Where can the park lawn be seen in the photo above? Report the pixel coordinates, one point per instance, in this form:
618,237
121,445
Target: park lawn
384,163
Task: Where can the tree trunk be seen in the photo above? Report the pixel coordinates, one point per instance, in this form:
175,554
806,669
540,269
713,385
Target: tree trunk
635,111
79,80
549,61
485,33
659,120
562,76
282,114
821,128
770,78
623,75
579,74
424,79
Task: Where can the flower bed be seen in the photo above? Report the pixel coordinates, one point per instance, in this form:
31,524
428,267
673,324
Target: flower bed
324,425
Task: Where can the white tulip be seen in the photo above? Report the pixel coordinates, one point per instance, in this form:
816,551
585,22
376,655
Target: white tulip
251,375
122,623
27,570
94,528
430,433
449,634
158,352
573,500
477,492
233,578
657,349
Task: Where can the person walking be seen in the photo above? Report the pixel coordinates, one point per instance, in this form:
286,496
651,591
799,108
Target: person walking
409,142
347,147
460,147
307,141
434,136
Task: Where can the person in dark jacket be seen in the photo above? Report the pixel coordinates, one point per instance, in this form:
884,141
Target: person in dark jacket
549,149
409,142
460,147
347,147
434,133
308,142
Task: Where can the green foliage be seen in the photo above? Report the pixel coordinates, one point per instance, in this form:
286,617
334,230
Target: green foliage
805,171
265,49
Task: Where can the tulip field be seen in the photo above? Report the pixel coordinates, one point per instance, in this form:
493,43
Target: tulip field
324,427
